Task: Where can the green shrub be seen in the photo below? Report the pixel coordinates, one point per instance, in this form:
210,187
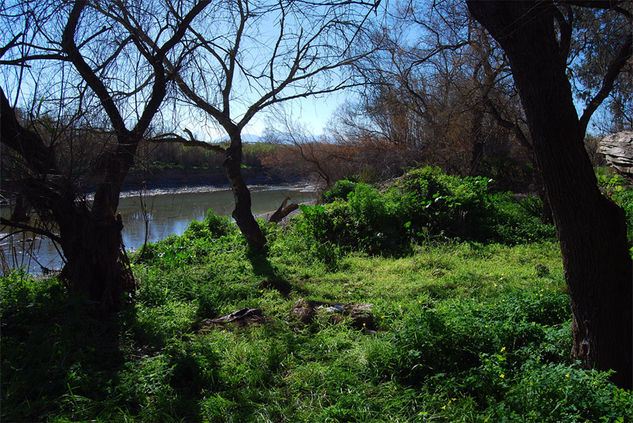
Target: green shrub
175,251
452,338
219,225
339,191
563,393
213,226
424,203
197,230
20,292
444,205
307,243
502,360
199,242
16,290
516,222
368,221
621,192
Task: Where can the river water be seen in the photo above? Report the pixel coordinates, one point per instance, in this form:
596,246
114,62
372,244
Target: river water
170,212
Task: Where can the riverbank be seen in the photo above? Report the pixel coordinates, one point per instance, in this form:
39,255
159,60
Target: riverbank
176,178
358,311
450,330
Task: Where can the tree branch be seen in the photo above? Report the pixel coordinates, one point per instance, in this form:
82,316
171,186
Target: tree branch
27,143
594,4
30,228
10,44
624,54
71,49
191,142
518,132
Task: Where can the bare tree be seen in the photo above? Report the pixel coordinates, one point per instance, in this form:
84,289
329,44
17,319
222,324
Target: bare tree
125,78
248,55
299,150
440,87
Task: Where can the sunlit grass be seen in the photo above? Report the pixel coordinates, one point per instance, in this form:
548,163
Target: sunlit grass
462,329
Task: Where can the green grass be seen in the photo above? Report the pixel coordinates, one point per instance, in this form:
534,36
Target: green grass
466,332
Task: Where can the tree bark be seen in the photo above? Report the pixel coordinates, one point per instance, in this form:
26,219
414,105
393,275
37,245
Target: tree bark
591,228
97,265
283,211
242,213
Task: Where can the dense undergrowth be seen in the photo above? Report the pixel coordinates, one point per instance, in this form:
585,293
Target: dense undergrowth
475,329
425,204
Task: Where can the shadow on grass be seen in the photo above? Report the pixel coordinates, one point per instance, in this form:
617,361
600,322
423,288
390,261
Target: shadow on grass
272,277
59,357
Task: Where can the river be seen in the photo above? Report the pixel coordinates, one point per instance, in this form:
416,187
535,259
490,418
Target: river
169,211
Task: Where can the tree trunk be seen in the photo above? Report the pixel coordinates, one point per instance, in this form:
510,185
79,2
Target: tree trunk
97,265
90,239
478,142
591,229
242,213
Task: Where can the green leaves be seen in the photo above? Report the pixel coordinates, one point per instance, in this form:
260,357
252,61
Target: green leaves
423,204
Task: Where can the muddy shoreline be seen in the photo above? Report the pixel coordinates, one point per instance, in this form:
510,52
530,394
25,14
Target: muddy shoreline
177,178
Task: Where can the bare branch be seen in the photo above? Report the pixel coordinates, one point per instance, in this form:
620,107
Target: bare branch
191,142
594,4
25,142
514,126
71,49
10,44
30,228
618,63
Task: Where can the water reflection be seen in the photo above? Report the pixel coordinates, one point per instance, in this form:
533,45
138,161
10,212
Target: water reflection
170,213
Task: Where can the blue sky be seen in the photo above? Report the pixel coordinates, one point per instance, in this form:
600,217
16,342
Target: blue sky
313,113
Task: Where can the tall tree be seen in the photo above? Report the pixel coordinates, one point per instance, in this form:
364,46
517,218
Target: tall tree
536,36
129,81
248,55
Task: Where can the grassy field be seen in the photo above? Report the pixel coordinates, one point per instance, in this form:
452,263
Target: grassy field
464,332
458,331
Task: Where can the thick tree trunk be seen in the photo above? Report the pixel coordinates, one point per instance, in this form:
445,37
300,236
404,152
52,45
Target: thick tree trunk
97,265
591,229
242,213
90,238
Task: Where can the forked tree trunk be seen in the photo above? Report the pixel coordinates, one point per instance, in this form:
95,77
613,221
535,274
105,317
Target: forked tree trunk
97,265
90,239
242,213
591,228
